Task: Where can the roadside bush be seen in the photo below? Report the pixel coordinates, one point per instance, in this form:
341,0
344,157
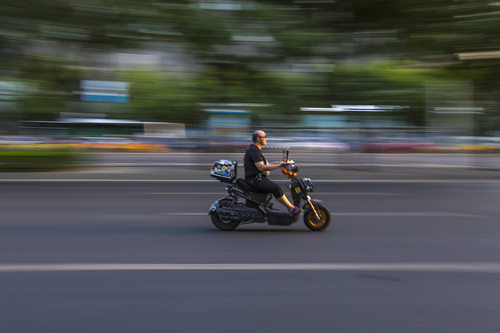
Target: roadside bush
18,161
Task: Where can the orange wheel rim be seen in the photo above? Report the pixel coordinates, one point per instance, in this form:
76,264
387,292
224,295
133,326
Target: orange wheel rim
311,218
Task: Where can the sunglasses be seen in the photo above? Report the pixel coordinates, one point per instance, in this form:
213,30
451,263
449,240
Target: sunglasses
263,137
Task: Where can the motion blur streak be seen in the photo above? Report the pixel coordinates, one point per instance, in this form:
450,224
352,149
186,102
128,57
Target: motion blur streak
391,107
381,267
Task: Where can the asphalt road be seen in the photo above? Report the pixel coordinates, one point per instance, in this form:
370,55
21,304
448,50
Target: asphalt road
320,165
119,256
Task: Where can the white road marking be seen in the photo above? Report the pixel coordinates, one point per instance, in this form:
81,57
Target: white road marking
319,193
408,214
301,153
107,180
222,193
209,164
360,193
194,214
439,267
342,181
367,214
350,165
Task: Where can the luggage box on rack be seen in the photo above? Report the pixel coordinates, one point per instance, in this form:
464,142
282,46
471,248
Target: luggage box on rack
224,170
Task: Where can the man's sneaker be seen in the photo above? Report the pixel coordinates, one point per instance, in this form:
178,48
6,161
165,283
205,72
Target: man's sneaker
294,210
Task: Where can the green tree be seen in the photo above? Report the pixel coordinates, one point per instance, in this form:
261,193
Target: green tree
156,97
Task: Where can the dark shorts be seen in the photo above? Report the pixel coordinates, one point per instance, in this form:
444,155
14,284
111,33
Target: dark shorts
266,185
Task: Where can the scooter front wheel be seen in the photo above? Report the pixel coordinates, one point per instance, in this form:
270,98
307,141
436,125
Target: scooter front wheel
311,220
221,225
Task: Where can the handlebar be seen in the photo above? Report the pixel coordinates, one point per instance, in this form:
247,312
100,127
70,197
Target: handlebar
289,169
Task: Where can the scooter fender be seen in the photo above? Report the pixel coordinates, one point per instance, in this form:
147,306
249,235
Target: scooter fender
214,206
306,206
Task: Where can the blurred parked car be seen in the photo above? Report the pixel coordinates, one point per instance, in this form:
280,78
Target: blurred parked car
395,145
309,144
465,144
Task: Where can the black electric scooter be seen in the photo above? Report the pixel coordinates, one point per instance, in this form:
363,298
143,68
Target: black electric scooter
243,205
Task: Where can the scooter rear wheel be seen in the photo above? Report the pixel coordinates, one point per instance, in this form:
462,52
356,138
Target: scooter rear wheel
221,225
315,224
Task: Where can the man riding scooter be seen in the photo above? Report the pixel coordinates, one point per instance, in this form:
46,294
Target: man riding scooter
257,170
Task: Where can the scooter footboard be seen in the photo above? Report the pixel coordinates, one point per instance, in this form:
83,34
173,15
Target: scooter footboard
276,217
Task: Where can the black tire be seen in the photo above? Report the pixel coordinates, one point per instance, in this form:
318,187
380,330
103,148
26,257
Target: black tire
221,225
311,221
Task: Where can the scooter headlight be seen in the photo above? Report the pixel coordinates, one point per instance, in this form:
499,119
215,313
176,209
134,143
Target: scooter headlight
308,184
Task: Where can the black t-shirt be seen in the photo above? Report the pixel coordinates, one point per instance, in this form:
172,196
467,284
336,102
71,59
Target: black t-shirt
252,156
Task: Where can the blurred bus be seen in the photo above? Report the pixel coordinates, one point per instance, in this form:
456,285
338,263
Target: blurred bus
102,127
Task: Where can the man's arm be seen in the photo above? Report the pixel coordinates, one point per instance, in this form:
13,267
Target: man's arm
269,167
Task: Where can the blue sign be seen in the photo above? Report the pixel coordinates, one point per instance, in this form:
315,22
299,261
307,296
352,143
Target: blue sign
104,91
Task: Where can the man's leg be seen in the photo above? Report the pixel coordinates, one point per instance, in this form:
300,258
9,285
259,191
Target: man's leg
268,186
284,201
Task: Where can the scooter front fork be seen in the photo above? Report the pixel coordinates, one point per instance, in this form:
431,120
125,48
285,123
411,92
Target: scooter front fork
312,207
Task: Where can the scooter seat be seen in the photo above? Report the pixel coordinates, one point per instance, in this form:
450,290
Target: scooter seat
241,183
255,195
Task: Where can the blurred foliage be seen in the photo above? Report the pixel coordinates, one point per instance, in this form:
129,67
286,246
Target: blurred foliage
22,161
53,84
156,97
284,53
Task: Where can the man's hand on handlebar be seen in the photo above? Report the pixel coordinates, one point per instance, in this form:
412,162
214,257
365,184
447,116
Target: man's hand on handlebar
287,163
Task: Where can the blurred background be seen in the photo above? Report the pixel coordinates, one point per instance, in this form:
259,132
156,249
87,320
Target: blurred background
391,107
362,76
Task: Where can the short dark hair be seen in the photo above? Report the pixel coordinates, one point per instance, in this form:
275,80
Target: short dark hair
254,137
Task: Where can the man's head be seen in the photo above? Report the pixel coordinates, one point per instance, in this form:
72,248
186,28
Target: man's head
259,138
